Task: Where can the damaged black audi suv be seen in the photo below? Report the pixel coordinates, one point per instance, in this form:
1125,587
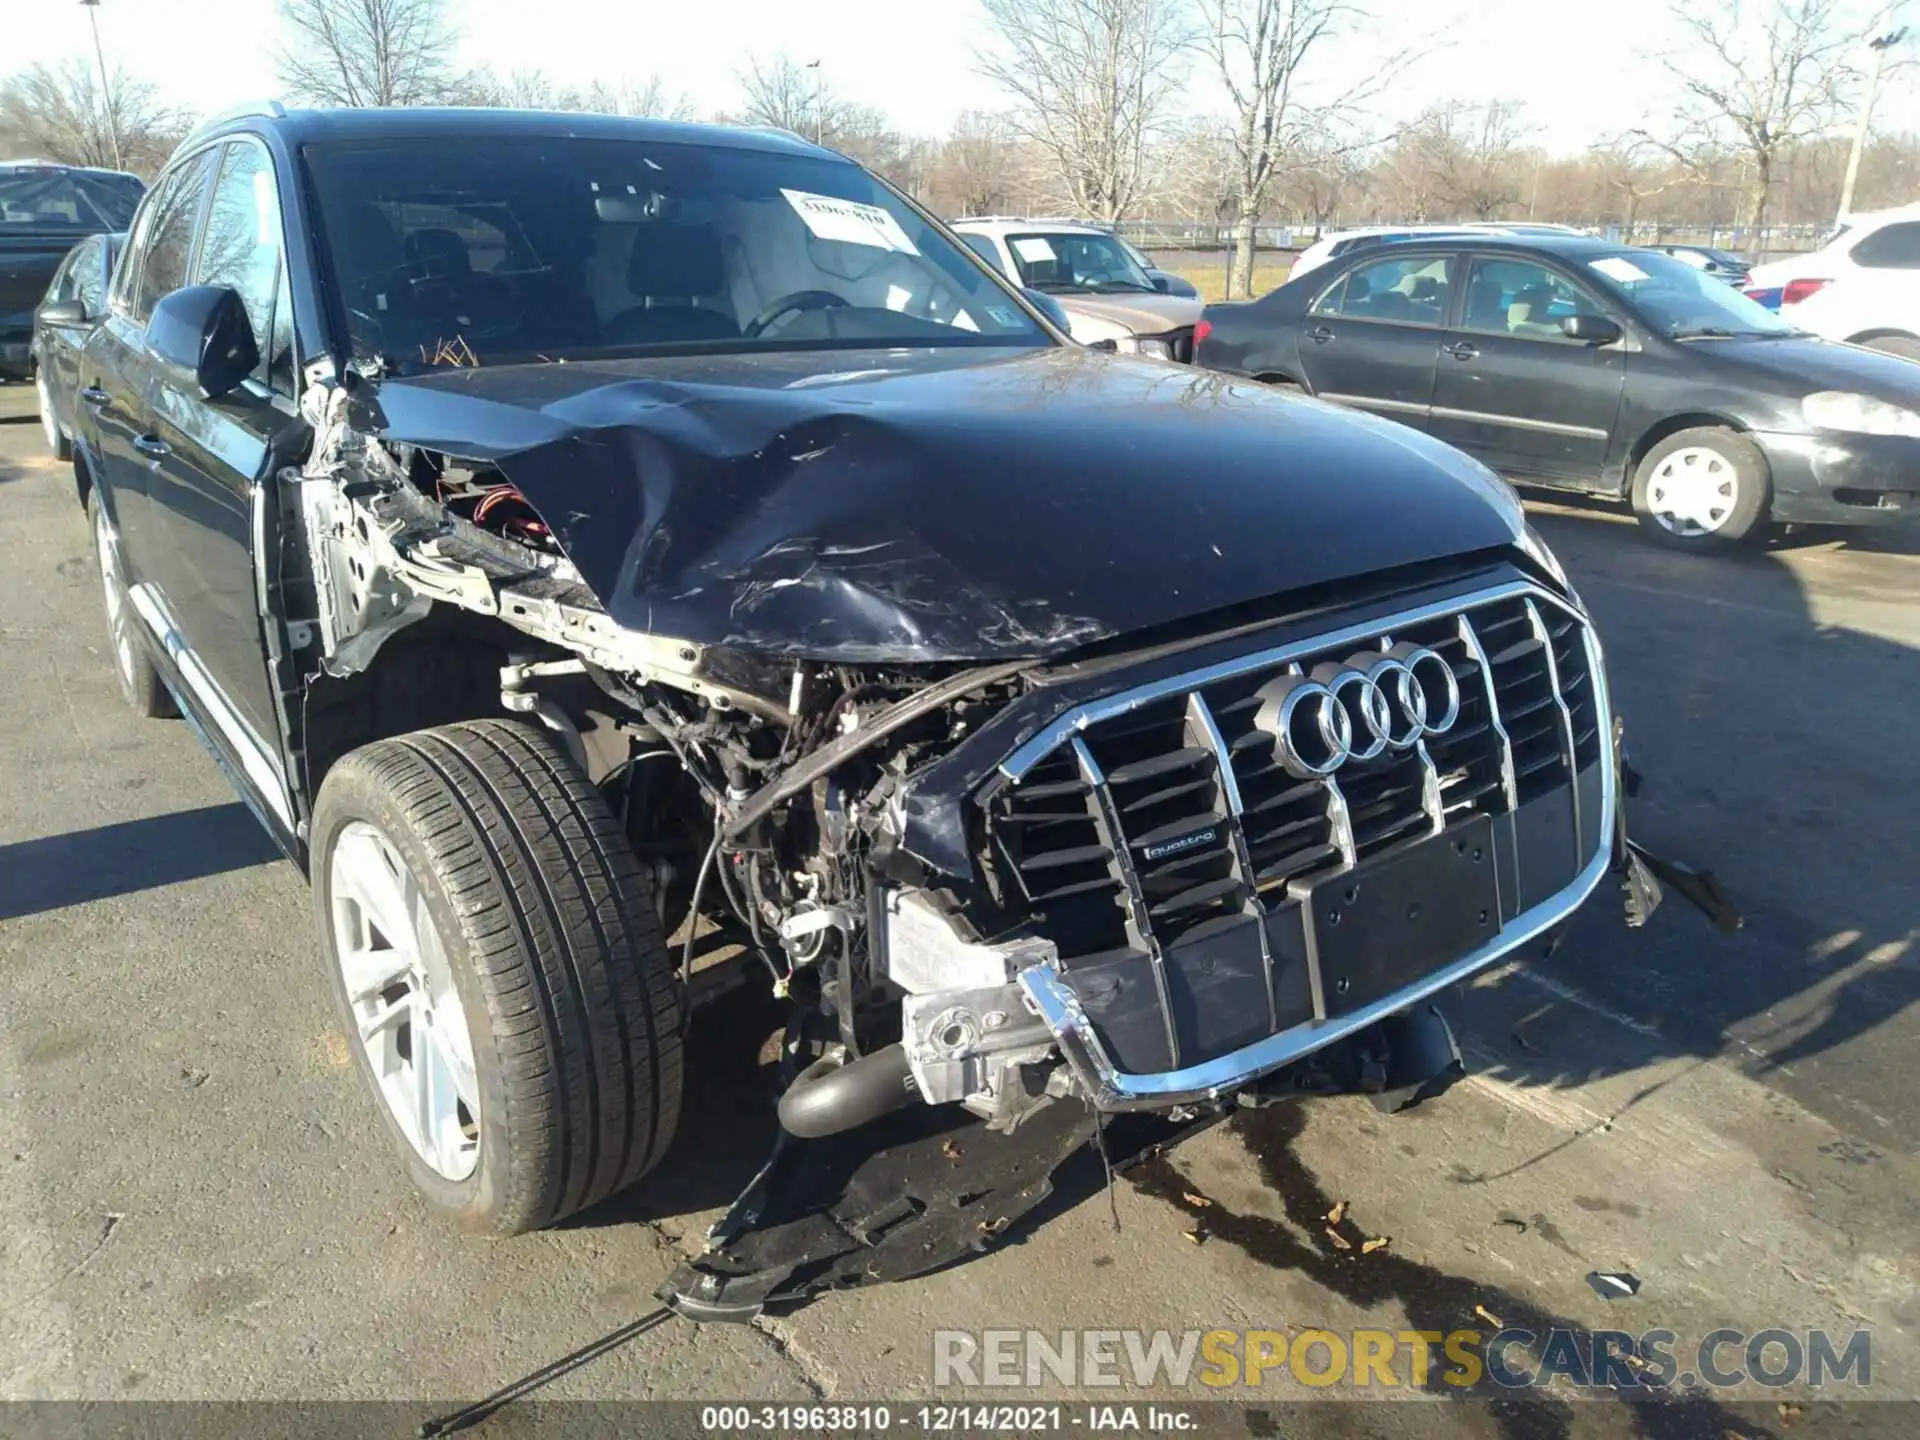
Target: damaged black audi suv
620,560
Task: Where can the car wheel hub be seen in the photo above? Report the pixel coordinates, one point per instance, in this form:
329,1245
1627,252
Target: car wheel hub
1693,491
408,1017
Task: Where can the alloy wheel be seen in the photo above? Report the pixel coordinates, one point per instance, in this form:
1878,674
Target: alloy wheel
408,1016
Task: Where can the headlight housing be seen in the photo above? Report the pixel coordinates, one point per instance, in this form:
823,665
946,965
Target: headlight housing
1152,345
1859,414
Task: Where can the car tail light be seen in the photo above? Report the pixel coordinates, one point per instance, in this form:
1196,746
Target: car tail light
1798,290
1201,329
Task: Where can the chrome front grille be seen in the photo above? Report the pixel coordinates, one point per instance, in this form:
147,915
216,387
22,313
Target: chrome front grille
1143,826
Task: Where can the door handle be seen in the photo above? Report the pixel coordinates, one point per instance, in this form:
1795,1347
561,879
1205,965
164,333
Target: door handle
151,445
1319,334
93,395
1463,351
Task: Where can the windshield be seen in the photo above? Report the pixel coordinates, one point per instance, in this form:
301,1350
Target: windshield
1682,301
1067,264
492,251
53,197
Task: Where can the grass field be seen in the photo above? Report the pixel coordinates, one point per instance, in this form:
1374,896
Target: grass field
1211,280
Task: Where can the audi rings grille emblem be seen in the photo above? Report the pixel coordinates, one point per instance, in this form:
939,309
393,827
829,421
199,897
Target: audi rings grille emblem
1373,703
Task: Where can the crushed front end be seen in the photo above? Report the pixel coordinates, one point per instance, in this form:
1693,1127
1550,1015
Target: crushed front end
1161,885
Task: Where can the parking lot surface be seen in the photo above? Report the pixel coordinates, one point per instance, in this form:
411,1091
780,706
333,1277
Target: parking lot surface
196,1200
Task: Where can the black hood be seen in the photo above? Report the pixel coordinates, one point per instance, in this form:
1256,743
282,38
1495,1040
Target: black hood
1797,365
956,504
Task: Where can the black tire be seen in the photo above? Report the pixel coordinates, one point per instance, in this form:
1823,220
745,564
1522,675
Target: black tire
1905,346
556,952
140,684
1738,469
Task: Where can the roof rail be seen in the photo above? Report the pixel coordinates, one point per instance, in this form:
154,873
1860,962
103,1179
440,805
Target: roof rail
271,108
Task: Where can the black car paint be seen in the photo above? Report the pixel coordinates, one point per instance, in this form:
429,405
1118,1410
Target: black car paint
906,505
1589,412
861,506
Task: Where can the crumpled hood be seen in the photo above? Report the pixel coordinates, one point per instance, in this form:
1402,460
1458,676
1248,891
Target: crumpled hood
938,505
1139,314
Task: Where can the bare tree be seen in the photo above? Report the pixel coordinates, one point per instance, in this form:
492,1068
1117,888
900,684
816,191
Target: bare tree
1093,81
786,95
61,112
649,97
1469,156
371,52
536,90
1760,80
1261,49
974,169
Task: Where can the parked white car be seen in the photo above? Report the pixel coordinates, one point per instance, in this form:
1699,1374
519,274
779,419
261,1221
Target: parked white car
1094,276
1862,286
1338,242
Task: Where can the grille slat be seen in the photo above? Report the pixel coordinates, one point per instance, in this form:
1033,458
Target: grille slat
1076,829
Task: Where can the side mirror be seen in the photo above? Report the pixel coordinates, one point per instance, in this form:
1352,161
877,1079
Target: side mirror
1594,329
64,312
202,332
1162,283
1048,306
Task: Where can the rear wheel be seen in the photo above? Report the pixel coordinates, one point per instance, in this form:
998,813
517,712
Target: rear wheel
1702,487
1904,346
140,683
57,441
499,968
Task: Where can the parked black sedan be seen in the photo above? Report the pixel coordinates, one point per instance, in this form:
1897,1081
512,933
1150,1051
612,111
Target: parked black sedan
74,304
1592,366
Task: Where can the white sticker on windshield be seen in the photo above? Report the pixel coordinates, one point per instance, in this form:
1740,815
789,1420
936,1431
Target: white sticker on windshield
1618,267
848,220
1034,248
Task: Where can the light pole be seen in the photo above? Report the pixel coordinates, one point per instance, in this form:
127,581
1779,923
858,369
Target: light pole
1880,47
92,8
819,101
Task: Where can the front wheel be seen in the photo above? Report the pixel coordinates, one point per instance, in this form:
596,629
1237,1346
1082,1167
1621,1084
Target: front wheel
499,969
1702,487
57,441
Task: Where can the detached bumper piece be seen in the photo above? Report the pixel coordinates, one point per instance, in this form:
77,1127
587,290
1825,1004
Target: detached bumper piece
893,1199
1219,914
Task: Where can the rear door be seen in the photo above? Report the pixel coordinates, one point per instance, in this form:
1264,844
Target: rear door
114,371
1371,337
60,345
213,475
1513,390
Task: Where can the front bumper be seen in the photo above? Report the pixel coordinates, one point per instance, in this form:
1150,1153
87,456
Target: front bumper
1174,1018
1834,478
16,352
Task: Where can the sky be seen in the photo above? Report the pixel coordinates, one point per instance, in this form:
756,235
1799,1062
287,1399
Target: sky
1581,68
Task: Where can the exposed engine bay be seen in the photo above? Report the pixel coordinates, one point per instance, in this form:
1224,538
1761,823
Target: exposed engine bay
1066,903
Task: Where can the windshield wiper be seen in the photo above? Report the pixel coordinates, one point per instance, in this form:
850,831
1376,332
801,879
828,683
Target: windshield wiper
1706,332
1129,287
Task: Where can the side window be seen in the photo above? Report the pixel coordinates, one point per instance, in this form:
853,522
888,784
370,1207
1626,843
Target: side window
90,277
1891,247
63,279
984,248
1518,297
241,246
169,232
1409,289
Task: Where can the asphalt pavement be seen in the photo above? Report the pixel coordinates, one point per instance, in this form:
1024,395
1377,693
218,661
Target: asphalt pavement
196,1201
